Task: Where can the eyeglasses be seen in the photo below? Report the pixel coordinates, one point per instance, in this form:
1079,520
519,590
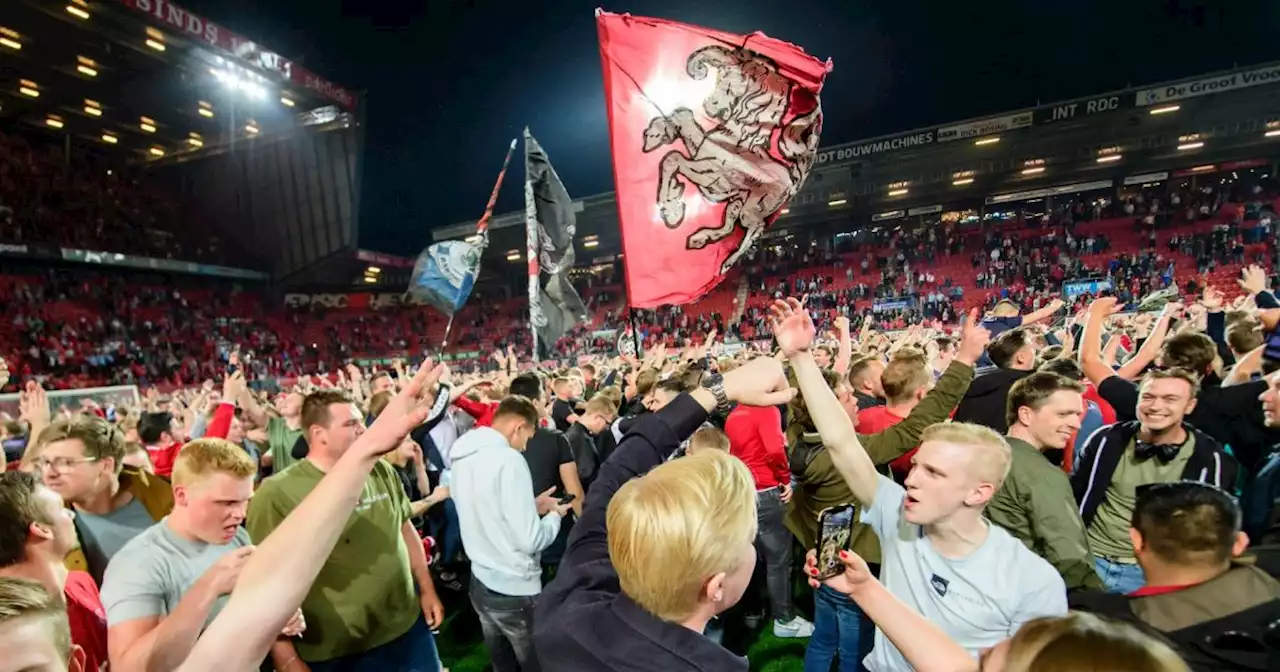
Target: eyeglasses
60,464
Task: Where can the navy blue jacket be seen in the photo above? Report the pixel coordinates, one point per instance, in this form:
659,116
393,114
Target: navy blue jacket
583,622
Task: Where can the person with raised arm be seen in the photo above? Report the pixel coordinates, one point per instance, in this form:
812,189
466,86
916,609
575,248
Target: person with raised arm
662,546
282,569
939,554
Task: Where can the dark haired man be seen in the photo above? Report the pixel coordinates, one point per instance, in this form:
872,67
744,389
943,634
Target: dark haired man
81,459
373,604
162,437
36,533
1118,459
504,528
1035,504
1201,594
986,401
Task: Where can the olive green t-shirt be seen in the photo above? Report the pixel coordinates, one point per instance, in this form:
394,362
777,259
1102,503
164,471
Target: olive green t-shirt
365,595
281,440
1109,530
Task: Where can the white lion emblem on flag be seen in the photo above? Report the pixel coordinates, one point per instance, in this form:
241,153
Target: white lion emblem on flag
732,162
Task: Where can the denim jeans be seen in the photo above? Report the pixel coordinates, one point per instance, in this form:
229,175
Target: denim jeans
507,623
839,628
774,543
1119,577
414,651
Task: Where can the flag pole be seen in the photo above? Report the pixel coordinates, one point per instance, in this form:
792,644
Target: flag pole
482,226
531,246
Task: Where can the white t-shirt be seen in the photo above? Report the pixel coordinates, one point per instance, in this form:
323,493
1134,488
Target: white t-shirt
978,600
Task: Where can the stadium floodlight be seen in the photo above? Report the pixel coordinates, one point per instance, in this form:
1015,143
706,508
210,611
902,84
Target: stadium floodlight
155,44
837,203
1034,170
77,9
962,181
286,101
1109,158
28,88
206,110
147,124
195,140
109,138
10,38
54,121
156,151
987,141
92,107
1190,145
86,70
245,85
897,192
1165,109
251,128
1272,133
513,255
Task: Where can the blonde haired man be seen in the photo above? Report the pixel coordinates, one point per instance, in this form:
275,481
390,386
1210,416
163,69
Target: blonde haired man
34,634
82,459
653,559
170,581
939,554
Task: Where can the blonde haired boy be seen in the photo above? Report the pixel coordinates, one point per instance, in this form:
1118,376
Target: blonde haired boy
170,581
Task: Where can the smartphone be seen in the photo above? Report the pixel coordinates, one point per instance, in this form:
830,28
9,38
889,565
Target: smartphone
568,499
835,526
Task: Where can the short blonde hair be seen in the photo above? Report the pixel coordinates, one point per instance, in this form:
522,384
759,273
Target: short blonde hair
204,456
708,438
992,466
1083,641
677,526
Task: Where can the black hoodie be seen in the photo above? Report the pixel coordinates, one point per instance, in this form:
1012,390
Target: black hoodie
988,395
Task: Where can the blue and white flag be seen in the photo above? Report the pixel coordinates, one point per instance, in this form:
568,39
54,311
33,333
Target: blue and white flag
445,273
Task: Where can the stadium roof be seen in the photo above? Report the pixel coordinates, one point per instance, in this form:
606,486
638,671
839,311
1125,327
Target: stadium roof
149,78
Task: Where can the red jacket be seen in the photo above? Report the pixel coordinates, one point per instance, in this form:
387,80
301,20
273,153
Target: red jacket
163,457
482,412
755,437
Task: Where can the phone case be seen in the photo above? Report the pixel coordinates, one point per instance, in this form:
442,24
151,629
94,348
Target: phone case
835,526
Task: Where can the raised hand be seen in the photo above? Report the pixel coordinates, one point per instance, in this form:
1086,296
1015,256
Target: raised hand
973,339
1211,299
406,410
793,327
1253,279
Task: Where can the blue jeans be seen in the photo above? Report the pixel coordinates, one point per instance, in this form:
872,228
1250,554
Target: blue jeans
839,628
414,651
1119,577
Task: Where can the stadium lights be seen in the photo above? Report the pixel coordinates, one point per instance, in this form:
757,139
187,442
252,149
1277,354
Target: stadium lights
10,38
195,140
206,110
92,107
1109,158
28,88
155,44
1271,133
54,121
373,270
962,181
251,128
86,66
837,203
898,192
1190,145
1165,109
987,141
286,101
513,255
1203,169
156,151
234,81
369,280
109,138
147,124
76,8
1034,170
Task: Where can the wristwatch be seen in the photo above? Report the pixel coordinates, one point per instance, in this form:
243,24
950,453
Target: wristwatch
722,399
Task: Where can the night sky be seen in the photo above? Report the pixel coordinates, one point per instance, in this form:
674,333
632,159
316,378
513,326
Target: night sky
448,84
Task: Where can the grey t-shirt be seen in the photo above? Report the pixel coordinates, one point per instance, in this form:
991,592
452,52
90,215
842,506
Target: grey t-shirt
101,537
149,576
978,600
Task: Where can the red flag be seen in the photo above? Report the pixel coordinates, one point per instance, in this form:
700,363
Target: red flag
712,134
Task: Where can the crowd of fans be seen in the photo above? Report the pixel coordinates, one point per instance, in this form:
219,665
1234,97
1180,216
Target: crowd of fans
1024,492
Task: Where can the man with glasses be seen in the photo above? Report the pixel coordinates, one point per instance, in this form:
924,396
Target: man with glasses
81,460
1219,606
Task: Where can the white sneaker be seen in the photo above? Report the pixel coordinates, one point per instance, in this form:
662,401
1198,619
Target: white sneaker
795,628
